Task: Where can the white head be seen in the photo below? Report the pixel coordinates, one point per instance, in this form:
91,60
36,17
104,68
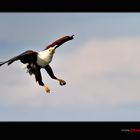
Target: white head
45,57
51,50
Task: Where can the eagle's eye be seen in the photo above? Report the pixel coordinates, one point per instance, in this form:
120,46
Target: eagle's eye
51,50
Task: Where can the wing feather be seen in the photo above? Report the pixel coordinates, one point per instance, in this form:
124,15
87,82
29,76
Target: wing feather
60,41
25,57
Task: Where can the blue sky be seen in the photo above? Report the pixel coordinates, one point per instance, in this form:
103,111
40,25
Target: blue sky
101,67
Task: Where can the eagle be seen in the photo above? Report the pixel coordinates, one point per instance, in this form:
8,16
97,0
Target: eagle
35,61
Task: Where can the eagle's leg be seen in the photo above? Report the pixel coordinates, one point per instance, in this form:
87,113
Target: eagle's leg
38,78
51,74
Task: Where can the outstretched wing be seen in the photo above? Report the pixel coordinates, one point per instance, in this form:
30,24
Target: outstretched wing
25,57
60,41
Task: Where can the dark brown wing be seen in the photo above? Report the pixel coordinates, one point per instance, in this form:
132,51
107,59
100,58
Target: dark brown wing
60,41
25,57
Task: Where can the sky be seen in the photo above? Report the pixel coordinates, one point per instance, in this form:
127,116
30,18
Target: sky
100,66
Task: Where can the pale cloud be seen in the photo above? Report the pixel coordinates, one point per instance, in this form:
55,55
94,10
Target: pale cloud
104,71
101,72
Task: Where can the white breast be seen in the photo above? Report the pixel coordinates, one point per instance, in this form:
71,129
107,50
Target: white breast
44,58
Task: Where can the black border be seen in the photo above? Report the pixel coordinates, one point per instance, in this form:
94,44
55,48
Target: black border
69,6
67,130
73,130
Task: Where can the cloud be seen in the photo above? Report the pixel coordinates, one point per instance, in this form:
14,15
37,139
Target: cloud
100,72
104,71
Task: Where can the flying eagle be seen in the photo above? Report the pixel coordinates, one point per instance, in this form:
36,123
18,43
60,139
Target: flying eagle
36,60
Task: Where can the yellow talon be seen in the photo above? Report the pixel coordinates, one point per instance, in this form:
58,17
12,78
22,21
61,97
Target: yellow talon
46,88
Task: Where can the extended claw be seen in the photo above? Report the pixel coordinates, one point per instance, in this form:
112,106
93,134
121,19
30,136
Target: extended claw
62,82
46,89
